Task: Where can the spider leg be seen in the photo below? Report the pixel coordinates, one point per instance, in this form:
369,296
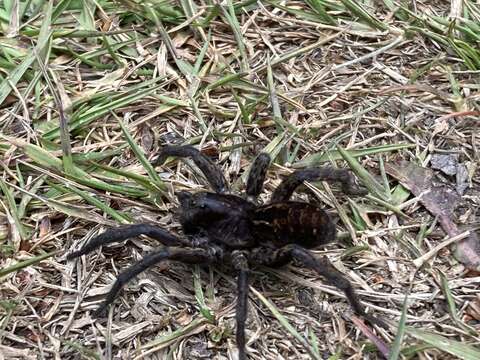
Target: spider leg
125,232
257,173
189,256
210,169
292,181
324,268
240,263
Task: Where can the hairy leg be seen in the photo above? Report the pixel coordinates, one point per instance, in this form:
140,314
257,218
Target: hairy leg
267,256
240,263
189,256
257,173
210,169
123,233
325,269
292,181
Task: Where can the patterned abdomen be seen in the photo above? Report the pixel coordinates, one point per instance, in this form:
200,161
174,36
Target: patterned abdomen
293,222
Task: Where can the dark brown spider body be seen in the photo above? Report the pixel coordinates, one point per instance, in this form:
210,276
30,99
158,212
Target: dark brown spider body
236,223
220,227
222,218
293,222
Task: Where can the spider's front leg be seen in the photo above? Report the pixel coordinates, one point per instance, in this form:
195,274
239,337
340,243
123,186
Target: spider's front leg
123,233
286,188
240,263
211,171
256,176
188,256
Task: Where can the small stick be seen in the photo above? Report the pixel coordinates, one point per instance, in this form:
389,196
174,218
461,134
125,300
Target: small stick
418,262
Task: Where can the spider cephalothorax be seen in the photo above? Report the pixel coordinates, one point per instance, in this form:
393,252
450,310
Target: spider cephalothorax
224,228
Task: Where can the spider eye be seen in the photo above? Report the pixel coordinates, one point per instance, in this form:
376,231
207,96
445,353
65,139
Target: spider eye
197,204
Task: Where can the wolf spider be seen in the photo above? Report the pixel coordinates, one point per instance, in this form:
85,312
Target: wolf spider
219,227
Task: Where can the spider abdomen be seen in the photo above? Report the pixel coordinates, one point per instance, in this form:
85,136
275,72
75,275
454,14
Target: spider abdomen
293,222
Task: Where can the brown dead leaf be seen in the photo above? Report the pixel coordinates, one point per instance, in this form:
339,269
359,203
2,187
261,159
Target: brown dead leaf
440,201
473,309
184,318
377,279
25,245
211,150
9,100
45,226
147,138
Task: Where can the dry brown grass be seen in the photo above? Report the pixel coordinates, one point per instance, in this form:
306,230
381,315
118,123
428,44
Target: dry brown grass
346,84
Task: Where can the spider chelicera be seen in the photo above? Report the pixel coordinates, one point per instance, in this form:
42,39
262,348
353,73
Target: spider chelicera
219,227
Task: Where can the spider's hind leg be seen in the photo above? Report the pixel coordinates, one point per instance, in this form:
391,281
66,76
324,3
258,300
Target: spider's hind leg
211,171
188,256
123,233
325,269
294,180
256,176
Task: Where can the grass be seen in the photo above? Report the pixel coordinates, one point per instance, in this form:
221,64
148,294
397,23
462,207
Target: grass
89,91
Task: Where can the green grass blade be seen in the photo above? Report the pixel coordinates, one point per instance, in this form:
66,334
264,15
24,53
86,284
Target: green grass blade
86,18
103,108
319,8
368,180
26,263
277,113
397,344
26,198
231,19
44,159
184,67
243,110
224,80
177,334
459,349
397,10
61,6
15,75
84,178
83,351
319,15
333,155
13,210
67,160
67,209
201,56
141,157
141,180
92,200
99,155
197,283
356,9
452,309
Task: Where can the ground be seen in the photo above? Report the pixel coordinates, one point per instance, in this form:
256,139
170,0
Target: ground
91,90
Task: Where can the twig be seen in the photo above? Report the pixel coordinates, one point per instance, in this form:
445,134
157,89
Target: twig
418,262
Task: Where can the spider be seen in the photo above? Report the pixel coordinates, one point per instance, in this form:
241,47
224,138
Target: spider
219,227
